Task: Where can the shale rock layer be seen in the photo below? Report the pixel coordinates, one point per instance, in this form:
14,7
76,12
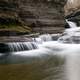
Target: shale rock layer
44,16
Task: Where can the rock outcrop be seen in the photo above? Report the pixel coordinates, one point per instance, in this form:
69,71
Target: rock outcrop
44,16
72,11
72,6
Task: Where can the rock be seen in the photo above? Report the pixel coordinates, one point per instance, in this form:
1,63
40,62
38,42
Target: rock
72,6
72,11
5,39
40,15
9,19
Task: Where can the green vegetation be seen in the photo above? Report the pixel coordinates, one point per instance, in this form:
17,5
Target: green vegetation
12,25
16,28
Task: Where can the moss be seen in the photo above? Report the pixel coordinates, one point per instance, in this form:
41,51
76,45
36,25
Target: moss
15,28
8,24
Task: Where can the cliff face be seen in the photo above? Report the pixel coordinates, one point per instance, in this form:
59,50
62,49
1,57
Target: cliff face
72,6
72,10
44,16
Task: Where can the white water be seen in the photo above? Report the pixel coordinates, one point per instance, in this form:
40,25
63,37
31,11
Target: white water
45,44
67,45
71,24
21,46
43,38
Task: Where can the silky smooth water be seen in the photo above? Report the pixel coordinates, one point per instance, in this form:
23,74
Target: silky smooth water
51,60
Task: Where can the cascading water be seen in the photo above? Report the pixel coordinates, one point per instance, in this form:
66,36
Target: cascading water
72,63
67,45
71,24
46,38
71,35
43,38
22,46
17,46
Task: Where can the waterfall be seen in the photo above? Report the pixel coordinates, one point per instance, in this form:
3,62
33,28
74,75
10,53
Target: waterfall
17,46
22,46
71,35
65,45
71,24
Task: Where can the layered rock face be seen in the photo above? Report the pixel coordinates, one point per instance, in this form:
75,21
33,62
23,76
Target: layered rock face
8,9
43,16
10,22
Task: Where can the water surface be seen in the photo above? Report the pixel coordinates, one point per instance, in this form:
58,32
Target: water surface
32,68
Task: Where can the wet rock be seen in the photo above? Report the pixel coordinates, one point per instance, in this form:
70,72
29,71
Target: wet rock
5,39
4,48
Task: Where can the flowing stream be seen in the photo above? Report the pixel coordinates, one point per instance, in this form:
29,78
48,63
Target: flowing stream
48,57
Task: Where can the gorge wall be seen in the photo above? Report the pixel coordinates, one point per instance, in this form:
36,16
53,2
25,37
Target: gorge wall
44,16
